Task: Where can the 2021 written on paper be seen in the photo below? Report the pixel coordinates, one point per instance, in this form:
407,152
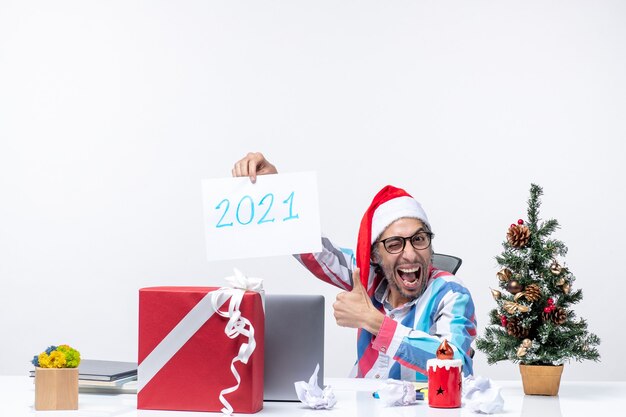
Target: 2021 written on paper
278,215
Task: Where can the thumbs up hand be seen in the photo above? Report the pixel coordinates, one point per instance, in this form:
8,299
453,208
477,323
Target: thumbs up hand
355,309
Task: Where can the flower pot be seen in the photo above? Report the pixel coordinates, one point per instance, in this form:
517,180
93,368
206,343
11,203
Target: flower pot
541,379
56,388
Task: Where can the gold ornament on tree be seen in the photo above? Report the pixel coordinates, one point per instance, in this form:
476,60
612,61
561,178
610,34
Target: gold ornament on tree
523,348
504,275
566,288
513,286
496,294
512,308
555,268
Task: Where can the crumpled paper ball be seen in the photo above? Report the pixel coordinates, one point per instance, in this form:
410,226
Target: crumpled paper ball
312,395
394,393
480,395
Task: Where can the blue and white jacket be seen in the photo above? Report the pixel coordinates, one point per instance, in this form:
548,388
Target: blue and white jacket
410,334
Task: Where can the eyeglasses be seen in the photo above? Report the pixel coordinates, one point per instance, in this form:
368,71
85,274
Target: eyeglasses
396,244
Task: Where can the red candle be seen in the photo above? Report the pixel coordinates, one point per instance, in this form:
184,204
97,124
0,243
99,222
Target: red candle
444,379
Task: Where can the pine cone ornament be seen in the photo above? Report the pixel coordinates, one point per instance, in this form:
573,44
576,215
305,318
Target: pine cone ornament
518,235
515,329
532,292
557,315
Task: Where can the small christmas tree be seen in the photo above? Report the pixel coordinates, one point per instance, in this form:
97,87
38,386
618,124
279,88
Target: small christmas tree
533,323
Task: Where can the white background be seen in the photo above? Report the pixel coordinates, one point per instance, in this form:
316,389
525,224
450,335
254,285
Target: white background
111,113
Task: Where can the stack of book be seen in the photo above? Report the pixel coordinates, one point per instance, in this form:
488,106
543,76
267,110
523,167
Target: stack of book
102,376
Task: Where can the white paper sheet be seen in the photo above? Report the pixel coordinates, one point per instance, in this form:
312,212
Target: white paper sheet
278,215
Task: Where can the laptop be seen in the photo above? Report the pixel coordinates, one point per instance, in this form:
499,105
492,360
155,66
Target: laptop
294,343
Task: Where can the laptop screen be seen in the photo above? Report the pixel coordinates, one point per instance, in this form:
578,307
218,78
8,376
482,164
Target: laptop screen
294,343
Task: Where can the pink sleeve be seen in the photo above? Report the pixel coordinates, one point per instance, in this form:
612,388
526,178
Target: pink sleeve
385,335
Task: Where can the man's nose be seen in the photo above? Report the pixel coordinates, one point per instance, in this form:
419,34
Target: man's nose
409,251
410,254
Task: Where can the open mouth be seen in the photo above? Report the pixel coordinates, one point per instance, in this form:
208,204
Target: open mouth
410,277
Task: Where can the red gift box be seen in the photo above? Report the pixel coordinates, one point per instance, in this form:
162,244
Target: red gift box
185,356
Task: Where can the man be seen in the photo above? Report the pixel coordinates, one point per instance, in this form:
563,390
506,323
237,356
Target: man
403,307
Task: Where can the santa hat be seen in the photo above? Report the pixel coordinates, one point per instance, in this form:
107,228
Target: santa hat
389,205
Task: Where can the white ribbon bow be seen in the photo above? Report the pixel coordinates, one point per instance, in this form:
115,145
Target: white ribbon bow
237,324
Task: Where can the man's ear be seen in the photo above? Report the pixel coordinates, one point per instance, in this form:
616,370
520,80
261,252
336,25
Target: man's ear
376,268
373,259
374,263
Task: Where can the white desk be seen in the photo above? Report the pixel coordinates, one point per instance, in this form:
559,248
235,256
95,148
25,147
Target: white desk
354,398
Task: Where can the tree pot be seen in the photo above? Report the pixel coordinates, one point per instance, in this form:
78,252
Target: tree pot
541,379
56,388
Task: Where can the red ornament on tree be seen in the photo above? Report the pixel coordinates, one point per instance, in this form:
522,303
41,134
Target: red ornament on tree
520,222
503,320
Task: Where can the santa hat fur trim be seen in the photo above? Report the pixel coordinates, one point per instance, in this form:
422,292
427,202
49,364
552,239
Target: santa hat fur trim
393,210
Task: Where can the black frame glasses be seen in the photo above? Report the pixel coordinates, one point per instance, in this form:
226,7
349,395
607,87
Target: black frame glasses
420,240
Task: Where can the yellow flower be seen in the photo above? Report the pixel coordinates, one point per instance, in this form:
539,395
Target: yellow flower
44,360
57,359
62,356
